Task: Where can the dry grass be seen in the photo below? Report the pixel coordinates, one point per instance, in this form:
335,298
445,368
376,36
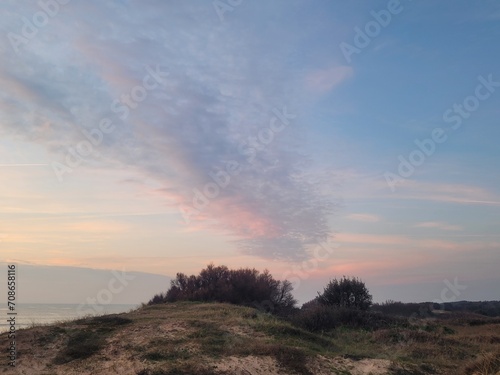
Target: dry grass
435,347
485,364
218,339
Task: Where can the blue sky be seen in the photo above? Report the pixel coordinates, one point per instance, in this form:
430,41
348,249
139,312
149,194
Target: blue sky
159,136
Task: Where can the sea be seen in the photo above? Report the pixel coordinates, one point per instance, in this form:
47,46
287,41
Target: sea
32,314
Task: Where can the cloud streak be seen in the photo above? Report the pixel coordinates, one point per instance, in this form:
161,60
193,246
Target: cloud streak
369,218
438,225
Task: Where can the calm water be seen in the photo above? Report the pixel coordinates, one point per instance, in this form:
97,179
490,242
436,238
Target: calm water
35,313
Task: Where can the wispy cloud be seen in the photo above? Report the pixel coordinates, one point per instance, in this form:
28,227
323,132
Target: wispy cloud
368,186
369,218
325,80
438,225
217,100
23,165
372,239
451,193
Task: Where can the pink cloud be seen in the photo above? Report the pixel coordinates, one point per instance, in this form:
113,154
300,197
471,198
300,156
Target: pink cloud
325,80
372,239
236,219
373,268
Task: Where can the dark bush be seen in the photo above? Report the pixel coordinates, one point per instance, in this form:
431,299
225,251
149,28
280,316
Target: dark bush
158,298
347,292
323,318
243,286
315,318
416,310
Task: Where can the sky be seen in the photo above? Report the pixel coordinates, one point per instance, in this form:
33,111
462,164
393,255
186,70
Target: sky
314,139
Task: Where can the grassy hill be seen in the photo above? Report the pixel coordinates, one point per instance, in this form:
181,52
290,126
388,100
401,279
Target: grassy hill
215,339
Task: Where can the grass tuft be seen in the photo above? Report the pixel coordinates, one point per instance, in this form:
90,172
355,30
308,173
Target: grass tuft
485,364
80,345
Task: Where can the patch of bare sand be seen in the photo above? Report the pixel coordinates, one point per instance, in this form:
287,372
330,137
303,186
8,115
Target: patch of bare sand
249,365
252,365
324,366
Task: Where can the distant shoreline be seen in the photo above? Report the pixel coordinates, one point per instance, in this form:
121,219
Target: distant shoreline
35,314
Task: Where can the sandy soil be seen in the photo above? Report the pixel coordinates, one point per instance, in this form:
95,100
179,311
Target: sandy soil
123,352
321,366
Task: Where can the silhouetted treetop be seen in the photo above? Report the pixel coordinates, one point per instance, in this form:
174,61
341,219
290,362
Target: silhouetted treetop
346,292
243,286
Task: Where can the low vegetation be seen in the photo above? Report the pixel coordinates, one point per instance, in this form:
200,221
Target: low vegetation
348,293
89,337
245,286
426,309
419,338
175,334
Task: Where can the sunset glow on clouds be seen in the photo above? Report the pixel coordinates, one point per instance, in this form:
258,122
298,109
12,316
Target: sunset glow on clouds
157,137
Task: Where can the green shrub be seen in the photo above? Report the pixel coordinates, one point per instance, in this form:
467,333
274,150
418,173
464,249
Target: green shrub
347,292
